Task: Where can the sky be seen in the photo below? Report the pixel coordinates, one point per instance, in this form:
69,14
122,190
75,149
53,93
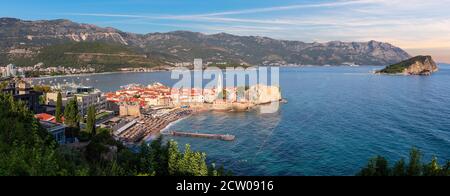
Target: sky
418,26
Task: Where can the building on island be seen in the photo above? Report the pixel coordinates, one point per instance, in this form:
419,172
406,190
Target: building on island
138,95
130,110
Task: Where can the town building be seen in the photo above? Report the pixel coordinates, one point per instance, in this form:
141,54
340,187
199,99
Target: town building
57,130
47,117
144,96
130,110
22,91
86,97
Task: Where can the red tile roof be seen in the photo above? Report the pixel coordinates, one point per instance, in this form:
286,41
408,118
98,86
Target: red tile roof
47,117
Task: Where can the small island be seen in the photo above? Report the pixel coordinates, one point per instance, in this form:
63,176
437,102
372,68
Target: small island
419,65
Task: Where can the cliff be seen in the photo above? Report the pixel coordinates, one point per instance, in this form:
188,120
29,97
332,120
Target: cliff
419,65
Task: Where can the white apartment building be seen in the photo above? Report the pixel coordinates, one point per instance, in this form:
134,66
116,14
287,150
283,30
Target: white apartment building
86,97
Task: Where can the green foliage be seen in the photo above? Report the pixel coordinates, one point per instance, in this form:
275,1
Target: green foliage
174,156
42,88
188,163
379,166
433,168
26,149
90,121
415,165
399,168
71,116
58,111
393,69
3,85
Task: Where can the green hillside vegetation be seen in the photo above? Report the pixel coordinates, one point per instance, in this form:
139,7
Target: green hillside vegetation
99,55
26,149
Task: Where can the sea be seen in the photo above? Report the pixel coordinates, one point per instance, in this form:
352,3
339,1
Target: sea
334,121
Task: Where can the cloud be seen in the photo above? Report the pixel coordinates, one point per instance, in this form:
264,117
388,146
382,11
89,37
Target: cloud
291,7
406,23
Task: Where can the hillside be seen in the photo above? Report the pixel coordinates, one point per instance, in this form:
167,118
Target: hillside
25,38
103,56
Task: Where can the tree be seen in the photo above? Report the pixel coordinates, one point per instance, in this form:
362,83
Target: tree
42,88
399,168
433,168
377,166
71,116
192,163
158,157
188,163
446,169
415,166
173,158
58,112
26,149
90,124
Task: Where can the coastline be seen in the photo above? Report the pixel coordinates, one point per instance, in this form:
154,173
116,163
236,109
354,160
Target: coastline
91,74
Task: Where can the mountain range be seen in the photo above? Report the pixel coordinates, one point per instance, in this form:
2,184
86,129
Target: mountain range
27,42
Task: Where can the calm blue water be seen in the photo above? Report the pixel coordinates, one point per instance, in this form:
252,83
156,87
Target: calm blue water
336,119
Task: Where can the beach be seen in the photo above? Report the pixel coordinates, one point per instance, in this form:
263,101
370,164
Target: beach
150,126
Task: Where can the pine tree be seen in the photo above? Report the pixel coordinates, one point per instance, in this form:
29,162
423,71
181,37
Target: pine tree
382,166
399,168
446,169
90,124
433,168
158,157
58,112
377,166
415,165
173,158
71,116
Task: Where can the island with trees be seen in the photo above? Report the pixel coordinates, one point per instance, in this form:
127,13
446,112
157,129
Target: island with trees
419,65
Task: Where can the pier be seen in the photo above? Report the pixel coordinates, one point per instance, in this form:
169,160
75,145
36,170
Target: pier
203,135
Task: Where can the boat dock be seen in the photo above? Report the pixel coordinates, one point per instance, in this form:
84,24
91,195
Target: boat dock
203,135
